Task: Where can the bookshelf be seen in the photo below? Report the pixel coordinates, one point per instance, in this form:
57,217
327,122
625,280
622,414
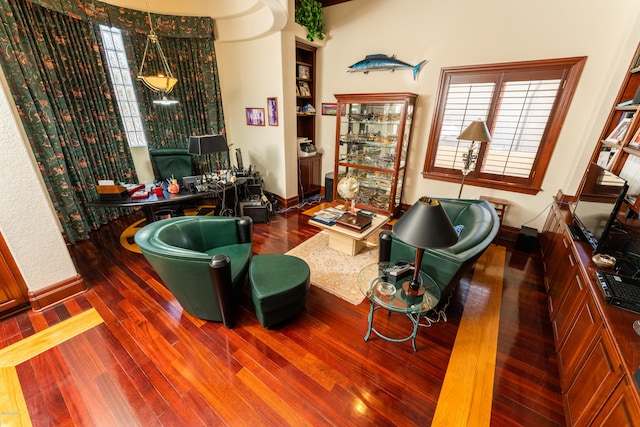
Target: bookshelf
618,148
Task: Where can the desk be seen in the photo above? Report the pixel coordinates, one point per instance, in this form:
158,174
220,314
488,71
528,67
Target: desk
154,201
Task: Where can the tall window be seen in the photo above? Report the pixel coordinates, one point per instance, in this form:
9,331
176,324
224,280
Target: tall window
524,105
123,85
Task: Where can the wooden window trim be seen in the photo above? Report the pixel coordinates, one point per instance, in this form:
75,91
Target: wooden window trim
533,184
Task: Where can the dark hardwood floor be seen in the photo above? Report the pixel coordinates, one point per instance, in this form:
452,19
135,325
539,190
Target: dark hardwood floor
151,364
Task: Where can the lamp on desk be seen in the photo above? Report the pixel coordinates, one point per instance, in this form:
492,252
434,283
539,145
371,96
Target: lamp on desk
425,225
476,132
208,144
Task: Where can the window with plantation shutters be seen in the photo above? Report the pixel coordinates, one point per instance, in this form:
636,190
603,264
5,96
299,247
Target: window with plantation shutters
523,104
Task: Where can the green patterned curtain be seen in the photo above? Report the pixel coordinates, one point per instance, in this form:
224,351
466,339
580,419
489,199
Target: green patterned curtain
52,57
187,43
56,76
199,111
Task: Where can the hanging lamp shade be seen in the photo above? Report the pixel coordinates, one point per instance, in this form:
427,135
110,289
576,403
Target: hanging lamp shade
164,81
159,83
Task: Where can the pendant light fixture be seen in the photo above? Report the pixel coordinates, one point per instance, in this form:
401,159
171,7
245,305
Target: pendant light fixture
164,81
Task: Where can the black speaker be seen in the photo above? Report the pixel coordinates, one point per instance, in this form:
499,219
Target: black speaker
328,187
258,213
527,239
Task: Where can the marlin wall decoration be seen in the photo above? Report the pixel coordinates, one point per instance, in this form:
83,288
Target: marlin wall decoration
379,62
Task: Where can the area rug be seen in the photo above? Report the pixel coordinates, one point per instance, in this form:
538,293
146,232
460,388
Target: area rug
334,271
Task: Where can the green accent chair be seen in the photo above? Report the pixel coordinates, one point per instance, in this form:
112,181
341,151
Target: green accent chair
203,261
168,162
279,285
447,265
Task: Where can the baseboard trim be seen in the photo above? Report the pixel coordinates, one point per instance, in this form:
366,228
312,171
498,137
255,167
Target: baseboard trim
56,293
291,201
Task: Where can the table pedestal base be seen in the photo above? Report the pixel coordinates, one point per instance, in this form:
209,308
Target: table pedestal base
345,244
414,317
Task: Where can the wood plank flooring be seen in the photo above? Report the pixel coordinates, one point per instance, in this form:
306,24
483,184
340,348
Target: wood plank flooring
466,395
149,363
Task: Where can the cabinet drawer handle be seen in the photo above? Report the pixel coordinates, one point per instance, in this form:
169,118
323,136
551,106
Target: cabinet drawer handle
579,282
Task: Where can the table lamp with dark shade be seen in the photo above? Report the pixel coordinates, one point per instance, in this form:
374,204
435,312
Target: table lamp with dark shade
425,225
476,132
208,144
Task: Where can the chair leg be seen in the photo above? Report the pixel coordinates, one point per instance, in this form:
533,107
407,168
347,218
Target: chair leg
221,276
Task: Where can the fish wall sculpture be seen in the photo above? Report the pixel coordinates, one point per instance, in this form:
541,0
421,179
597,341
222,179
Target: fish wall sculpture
380,62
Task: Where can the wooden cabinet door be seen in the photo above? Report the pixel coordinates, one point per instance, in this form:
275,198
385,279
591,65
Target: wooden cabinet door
596,377
565,307
549,234
310,174
620,410
581,333
13,290
566,284
555,248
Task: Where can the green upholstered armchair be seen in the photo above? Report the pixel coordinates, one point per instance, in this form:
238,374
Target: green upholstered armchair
446,266
203,261
168,162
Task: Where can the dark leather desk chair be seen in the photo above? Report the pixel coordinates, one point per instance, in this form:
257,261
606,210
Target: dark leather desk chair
168,162
171,162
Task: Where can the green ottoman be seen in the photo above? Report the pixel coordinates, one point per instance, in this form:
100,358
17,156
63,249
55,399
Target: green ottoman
279,285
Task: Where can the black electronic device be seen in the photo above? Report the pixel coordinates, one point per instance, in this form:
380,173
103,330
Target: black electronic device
328,187
366,212
254,191
258,212
596,209
620,291
239,159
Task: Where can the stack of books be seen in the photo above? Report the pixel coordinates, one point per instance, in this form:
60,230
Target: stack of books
328,216
355,222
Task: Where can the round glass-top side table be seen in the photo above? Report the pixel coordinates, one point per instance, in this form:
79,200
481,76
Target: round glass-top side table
384,290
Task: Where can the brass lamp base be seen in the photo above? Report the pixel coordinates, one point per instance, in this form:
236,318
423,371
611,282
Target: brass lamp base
417,293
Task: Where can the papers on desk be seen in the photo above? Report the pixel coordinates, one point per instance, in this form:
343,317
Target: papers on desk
328,216
140,194
117,192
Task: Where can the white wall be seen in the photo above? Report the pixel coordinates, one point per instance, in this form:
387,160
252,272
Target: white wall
27,221
251,72
468,32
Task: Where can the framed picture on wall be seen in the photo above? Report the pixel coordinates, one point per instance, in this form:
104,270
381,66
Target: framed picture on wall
272,111
255,116
329,109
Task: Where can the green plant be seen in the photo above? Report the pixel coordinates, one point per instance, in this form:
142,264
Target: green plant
309,15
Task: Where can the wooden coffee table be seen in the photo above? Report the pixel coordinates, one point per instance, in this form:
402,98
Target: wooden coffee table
350,241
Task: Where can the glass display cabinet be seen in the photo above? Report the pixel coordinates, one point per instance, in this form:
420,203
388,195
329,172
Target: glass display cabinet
373,133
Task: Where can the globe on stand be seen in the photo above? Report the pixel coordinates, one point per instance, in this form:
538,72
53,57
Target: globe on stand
348,188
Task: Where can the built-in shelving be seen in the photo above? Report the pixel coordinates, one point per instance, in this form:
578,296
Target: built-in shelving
622,157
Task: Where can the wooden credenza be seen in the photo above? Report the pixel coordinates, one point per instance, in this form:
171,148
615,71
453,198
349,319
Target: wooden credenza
597,349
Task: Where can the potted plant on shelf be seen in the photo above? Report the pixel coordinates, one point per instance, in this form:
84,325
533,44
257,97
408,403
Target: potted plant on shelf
309,15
